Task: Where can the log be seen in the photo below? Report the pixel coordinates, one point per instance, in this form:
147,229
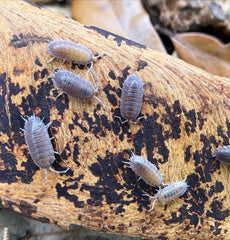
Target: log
186,117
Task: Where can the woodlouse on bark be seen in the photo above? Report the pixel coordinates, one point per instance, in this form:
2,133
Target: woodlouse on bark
131,99
169,192
223,154
145,170
75,86
39,144
71,52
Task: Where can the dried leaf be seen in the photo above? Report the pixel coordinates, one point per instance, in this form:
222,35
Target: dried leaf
97,13
125,18
136,23
203,51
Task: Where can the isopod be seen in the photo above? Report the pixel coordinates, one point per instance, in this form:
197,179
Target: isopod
75,86
71,52
145,170
131,99
39,144
169,192
223,154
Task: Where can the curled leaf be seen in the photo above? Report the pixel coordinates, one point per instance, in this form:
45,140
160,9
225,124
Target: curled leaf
203,51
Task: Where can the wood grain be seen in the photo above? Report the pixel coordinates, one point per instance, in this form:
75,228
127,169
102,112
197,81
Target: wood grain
186,117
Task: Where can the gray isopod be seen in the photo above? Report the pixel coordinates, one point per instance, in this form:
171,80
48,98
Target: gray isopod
39,144
169,192
223,154
75,86
131,98
145,170
71,52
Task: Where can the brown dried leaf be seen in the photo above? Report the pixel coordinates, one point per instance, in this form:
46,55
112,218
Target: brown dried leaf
97,13
125,18
136,23
203,51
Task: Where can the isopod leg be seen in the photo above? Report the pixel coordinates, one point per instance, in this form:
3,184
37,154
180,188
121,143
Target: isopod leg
120,119
128,164
155,197
59,94
57,153
48,125
91,65
52,170
100,55
137,120
51,59
98,82
153,205
45,176
99,100
23,118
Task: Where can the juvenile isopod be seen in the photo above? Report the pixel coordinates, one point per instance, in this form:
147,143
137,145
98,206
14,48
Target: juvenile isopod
39,144
131,99
145,170
169,192
71,52
75,86
223,154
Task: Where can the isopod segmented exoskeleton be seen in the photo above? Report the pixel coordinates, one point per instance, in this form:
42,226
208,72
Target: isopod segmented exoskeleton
223,154
71,52
169,192
145,170
75,86
39,144
131,98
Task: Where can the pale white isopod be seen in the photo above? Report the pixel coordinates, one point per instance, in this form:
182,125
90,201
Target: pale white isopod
145,170
39,144
71,52
169,192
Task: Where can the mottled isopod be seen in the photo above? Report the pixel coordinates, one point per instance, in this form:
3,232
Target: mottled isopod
39,144
223,154
145,170
169,192
71,52
131,98
75,86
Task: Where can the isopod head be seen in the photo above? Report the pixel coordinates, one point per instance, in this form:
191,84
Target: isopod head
222,154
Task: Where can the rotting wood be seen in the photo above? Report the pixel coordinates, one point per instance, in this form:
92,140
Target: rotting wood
186,118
